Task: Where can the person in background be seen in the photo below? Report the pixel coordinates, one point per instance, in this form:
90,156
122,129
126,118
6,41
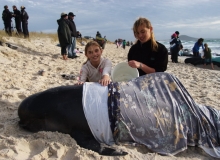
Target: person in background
6,17
17,16
116,42
147,55
173,37
98,35
79,35
64,34
119,42
207,55
96,68
176,45
178,39
124,43
181,51
72,27
24,21
196,47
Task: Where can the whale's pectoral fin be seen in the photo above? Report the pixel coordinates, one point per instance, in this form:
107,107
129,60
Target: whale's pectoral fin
87,141
33,125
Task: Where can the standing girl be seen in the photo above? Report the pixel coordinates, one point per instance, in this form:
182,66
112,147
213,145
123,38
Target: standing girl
147,54
96,68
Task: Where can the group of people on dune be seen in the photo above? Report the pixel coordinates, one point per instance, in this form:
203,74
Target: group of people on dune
21,19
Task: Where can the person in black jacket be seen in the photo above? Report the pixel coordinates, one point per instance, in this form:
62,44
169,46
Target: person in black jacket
175,47
6,17
64,34
17,16
24,21
147,55
72,26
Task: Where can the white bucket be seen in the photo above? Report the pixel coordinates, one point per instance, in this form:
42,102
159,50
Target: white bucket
123,72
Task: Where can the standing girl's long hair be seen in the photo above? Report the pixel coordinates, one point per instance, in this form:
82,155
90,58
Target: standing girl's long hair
147,23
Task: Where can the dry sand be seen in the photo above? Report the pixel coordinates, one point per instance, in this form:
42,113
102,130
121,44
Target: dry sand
20,78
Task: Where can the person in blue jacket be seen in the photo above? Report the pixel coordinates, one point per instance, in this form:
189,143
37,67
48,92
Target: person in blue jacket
196,47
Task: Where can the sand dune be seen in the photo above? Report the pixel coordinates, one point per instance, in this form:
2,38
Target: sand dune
20,78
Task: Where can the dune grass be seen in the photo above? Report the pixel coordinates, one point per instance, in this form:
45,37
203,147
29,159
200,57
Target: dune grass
2,34
34,35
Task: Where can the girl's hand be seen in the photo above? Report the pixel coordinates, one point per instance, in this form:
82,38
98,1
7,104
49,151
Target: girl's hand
105,80
134,64
79,83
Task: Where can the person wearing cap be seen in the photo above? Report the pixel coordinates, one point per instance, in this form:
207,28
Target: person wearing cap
147,55
175,47
178,38
24,21
64,34
72,27
17,16
6,17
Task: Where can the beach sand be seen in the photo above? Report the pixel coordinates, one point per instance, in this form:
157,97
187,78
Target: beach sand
20,78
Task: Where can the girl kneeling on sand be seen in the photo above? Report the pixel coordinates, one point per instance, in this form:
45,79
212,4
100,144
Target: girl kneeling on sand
96,68
207,55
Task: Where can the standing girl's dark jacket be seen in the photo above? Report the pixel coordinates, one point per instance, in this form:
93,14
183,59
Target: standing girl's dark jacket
155,59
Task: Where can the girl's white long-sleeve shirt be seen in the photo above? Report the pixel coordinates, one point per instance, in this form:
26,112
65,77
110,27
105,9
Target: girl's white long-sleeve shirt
88,71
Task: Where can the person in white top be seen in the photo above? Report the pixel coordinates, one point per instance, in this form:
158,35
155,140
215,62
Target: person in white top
96,68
